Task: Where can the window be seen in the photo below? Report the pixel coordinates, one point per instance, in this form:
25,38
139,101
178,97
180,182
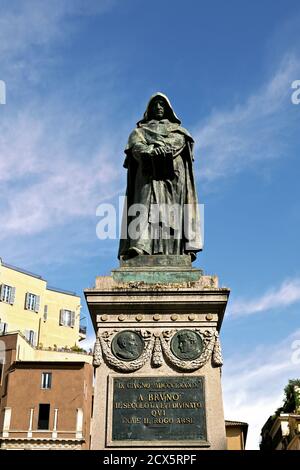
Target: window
45,312
7,294
67,318
32,302
3,328
46,380
44,412
31,336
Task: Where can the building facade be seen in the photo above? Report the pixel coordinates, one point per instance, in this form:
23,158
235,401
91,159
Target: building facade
281,432
47,317
236,435
45,397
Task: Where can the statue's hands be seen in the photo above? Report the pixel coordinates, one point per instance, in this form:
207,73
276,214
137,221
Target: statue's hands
159,151
166,150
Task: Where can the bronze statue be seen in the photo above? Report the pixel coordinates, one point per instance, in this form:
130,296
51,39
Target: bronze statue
161,216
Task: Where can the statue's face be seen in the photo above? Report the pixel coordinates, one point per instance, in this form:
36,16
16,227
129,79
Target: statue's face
158,109
129,343
186,344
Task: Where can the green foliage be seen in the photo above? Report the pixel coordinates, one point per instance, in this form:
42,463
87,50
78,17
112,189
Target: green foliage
290,403
290,400
76,348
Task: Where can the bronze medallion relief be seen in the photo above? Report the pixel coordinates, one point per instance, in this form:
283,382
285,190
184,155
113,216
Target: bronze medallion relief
186,345
127,345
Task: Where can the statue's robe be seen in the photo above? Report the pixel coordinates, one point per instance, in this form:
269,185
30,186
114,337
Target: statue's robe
164,186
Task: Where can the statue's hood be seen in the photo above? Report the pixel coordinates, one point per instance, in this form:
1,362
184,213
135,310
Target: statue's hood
171,116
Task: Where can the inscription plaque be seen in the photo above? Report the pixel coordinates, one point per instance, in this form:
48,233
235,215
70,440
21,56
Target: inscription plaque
159,408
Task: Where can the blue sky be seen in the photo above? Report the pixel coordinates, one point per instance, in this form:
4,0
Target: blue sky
78,77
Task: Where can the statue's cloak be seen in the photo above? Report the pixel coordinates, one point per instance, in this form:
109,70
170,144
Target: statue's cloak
144,188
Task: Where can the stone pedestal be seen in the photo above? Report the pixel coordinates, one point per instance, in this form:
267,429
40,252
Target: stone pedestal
157,356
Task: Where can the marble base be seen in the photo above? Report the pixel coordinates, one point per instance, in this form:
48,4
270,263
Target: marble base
157,312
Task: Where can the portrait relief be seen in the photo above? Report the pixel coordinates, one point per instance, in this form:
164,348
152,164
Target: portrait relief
127,345
186,345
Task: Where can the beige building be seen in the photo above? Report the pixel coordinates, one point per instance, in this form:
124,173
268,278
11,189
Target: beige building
47,317
236,435
45,388
45,397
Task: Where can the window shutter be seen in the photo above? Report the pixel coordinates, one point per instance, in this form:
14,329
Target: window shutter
27,334
2,328
34,341
37,303
72,319
12,295
45,312
61,317
2,292
27,301
49,380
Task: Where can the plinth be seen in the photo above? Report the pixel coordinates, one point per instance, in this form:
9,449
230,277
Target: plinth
157,356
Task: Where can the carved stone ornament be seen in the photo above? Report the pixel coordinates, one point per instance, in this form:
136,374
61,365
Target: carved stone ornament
157,355
97,354
158,346
217,353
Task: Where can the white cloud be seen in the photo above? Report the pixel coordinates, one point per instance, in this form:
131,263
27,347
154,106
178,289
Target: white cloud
88,343
231,140
24,25
287,294
51,169
253,386
30,32
48,179
69,191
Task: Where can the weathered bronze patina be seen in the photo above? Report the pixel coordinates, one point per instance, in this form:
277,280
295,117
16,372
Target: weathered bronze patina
159,408
127,345
161,215
186,345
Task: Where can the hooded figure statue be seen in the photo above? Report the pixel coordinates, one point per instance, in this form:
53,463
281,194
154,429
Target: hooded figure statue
161,210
